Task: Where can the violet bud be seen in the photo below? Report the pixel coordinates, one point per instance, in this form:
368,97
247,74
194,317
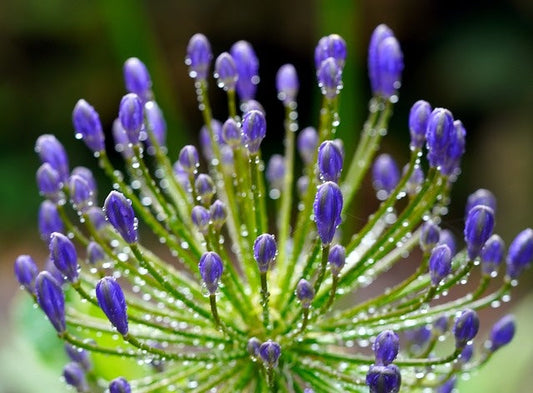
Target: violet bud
211,269
327,209
247,67
429,235
439,134
253,347
329,78
385,175
188,159
137,78
52,269
386,347
384,379
119,385
441,324
200,218
226,72
226,158
88,126
305,293
205,139
502,332
465,328
88,176
120,214
389,67
122,142
480,197
447,237
492,255
466,353
205,188
332,46
74,376
131,116
380,33
156,124
307,144
95,254
418,337
63,255
112,302
79,356
287,84
48,181
336,259
51,299
418,123
252,105
26,272
181,176
448,386
96,216
231,133
455,150
50,150
414,183
478,228
198,57
275,173
49,220
520,254
80,192
265,251
330,160
302,184
269,352
218,214
254,130
440,263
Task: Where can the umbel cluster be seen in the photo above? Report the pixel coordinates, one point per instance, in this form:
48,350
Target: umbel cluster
239,300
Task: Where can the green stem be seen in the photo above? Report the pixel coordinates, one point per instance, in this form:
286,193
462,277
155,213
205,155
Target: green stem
264,300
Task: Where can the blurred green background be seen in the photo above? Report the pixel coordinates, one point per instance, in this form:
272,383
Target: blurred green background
475,58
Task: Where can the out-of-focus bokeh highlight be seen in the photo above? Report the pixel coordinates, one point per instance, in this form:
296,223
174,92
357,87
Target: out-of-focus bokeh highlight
475,58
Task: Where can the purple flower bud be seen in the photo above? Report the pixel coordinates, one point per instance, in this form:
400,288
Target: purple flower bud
88,126
226,157
122,142
287,84
307,144
226,72
188,159
198,56
439,134
389,67
74,376
131,116
137,78
119,385
81,194
253,347
466,353
156,123
441,324
79,356
52,269
51,299
112,302
247,67
302,184
329,78
252,105
275,172
63,255
254,130
205,139
218,214
418,123
440,263
478,228
492,255
386,347
88,176
181,176
231,133
414,183
336,259
332,46
265,251
269,352
455,150
211,269
378,35
205,188
330,161
200,218
385,175
48,181
384,379
480,197
520,253
50,150
120,214
448,386
502,332
327,209
95,254
305,293
418,337
465,328
49,220
446,237
97,217
26,272
429,235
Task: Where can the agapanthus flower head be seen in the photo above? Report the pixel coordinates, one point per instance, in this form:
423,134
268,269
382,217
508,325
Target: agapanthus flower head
455,150
254,130
87,175
287,84
88,126
502,332
119,385
113,303
26,272
466,327
520,254
199,57
248,69
131,115
96,216
211,268
49,219
226,71
332,46
386,347
418,123
137,78
51,151
327,209
51,299
330,160
384,379
441,325
478,228
467,353
120,214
